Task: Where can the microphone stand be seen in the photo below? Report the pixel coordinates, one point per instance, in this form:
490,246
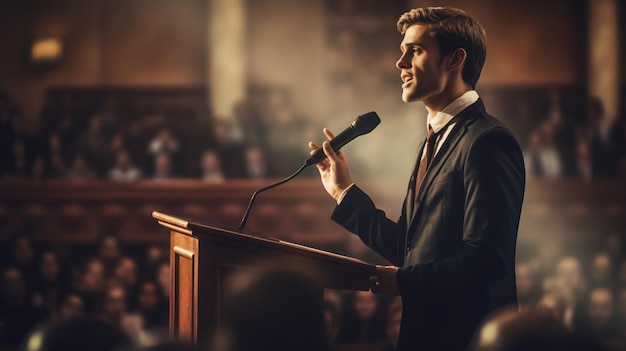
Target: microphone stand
247,213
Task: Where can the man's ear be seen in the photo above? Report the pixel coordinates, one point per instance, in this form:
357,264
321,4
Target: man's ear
456,59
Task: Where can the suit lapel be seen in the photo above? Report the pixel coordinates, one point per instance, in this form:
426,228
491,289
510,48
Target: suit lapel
459,129
409,200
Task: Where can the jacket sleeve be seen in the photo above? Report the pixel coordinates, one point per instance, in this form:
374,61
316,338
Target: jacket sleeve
358,214
493,179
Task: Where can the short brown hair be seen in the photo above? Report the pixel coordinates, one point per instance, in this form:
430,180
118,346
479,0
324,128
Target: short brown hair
453,29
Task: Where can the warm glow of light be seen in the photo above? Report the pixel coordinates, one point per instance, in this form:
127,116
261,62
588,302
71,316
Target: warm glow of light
489,334
46,49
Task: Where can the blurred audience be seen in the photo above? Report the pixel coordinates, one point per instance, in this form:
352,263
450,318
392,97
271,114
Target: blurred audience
163,168
80,169
124,168
256,164
211,166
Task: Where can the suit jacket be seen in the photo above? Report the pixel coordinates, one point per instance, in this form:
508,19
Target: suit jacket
455,243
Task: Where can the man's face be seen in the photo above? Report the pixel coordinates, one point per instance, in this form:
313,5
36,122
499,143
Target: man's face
421,65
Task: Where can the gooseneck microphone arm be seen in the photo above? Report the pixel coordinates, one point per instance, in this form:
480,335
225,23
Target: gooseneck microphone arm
361,125
242,225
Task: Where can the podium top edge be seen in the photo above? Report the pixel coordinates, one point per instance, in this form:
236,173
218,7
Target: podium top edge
179,222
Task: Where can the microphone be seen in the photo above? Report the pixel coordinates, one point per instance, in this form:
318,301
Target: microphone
361,125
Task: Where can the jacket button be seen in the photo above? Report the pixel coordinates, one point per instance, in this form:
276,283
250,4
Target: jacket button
408,249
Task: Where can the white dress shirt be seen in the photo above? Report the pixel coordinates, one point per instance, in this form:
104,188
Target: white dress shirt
439,121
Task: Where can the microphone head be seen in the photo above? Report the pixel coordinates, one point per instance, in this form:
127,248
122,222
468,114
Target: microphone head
366,123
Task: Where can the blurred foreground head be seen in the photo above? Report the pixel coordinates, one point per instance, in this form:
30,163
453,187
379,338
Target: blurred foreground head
83,333
275,308
510,330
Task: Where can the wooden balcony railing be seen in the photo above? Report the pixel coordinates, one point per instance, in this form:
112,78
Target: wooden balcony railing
78,212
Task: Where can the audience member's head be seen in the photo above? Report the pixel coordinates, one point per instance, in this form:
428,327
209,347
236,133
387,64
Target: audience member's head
93,277
569,276
279,308
527,284
71,305
50,267
149,296
510,330
394,319
601,312
163,166
256,165
126,272
109,251
595,110
13,289
115,304
22,251
162,276
602,269
83,333
211,166
552,304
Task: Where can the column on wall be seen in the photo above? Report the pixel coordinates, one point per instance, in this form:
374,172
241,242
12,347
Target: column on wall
227,58
603,79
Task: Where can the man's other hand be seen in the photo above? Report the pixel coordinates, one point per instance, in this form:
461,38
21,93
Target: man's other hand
386,280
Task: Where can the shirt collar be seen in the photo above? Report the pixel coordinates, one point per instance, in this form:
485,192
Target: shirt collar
441,119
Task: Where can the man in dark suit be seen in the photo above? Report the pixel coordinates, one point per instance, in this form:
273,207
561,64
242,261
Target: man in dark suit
453,247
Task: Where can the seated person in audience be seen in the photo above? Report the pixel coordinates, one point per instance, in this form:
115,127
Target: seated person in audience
124,168
80,169
71,305
23,255
163,168
94,143
52,281
572,285
211,165
256,165
363,319
584,166
229,147
56,157
601,137
84,333
541,157
553,304
163,142
150,311
109,252
162,276
528,289
599,318
114,310
17,313
18,167
38,169
275,308
602,269
510,330
91,280
333,302
125,272
394,317
621,312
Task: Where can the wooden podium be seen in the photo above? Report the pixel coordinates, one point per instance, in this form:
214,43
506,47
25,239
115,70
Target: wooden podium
202,256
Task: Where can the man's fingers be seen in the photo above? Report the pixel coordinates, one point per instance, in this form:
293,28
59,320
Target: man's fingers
330,153
329,134
314,147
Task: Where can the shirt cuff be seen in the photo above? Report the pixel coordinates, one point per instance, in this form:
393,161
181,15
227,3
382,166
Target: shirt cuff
343,194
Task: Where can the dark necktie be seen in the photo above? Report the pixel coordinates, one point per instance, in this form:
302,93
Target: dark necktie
430,149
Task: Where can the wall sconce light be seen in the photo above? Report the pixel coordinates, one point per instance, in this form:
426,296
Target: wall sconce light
46,50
